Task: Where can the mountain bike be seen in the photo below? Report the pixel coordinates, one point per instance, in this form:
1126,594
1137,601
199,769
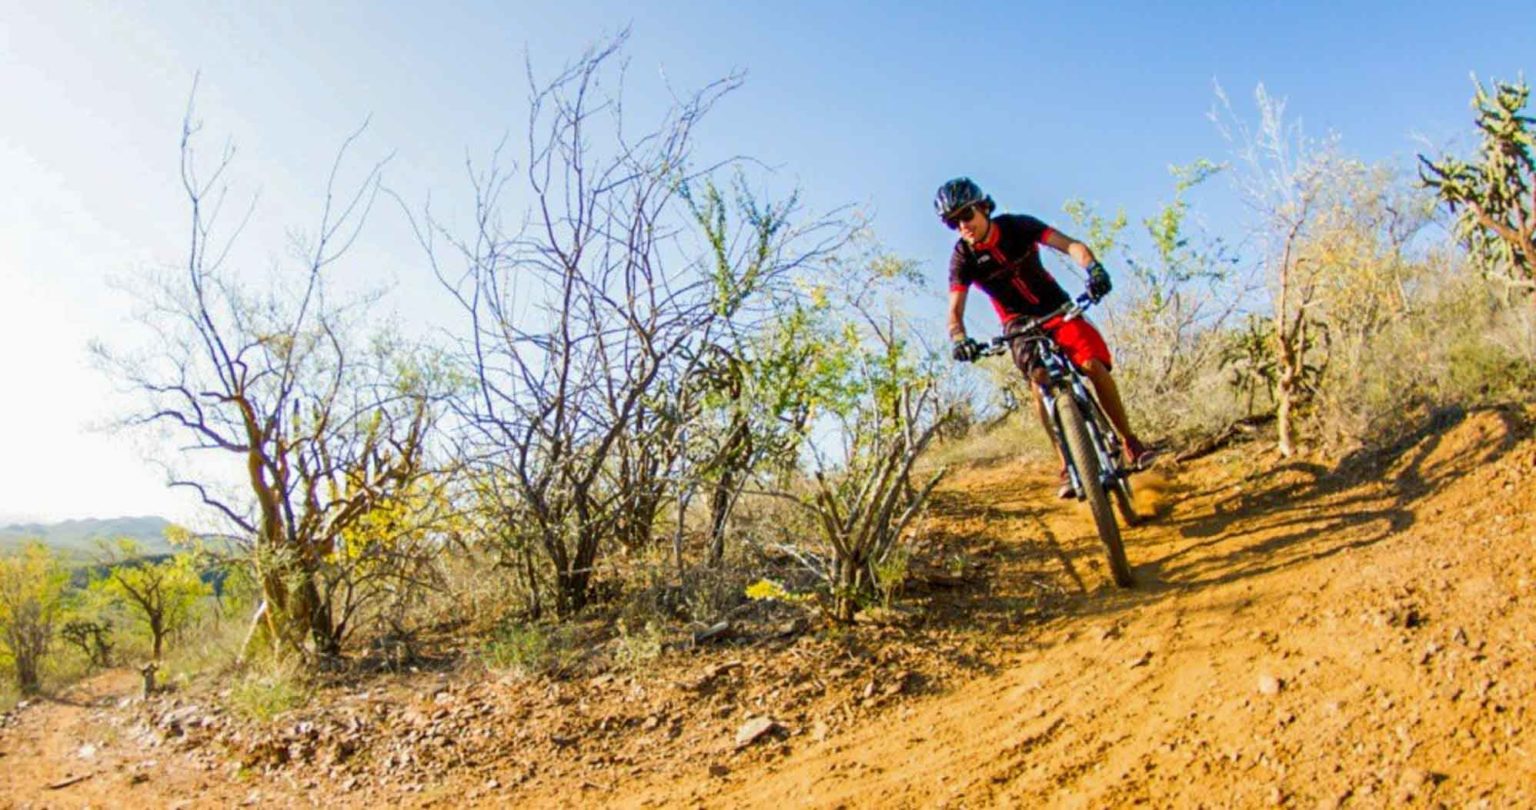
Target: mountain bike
1095,465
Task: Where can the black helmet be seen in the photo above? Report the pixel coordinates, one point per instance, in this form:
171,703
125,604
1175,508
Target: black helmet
957,194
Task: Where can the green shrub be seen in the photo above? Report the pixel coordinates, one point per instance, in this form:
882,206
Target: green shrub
266,694
528,650
1480,369
634,649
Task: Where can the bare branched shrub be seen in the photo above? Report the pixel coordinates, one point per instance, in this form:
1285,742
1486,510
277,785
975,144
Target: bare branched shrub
591,322
1282,175
324,426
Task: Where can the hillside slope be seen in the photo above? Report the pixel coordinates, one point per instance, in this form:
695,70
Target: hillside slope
1302,636
81,539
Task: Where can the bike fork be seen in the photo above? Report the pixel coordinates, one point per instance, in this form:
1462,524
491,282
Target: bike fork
1048,396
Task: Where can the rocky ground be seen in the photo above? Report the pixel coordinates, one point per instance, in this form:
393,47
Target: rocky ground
1352,634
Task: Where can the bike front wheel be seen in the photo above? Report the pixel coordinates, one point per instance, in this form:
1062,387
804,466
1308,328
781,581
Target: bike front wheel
1113,467
1085,460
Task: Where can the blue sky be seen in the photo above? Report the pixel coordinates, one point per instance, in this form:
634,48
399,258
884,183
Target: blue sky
869,104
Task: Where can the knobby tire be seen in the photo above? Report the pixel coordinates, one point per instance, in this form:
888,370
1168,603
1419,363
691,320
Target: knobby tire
1086,461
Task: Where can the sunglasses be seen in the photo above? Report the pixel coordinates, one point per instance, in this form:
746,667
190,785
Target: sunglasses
963,215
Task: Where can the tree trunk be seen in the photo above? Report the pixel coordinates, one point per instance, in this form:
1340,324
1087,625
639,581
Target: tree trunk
157,634
1288,361
27,637
734,456
312,617
26,674
535,604
298,614
846,589
719,511
572,591
1283,412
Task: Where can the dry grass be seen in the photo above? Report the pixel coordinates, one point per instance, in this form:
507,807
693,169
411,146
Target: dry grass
1016,437
1461,347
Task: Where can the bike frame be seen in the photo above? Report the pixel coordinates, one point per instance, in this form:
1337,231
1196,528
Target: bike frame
1082,433
1061,374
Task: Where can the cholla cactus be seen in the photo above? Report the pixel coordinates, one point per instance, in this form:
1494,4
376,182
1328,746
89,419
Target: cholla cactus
1495,200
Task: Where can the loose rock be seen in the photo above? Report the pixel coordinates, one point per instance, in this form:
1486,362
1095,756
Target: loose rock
754,730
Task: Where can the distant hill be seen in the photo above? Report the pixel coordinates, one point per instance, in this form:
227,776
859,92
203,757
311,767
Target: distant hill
80,538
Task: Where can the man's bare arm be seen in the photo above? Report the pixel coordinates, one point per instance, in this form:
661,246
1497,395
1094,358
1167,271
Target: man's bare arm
1066,244
957,312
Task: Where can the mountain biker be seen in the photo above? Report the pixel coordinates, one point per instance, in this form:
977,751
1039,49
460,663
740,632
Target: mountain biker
1001,255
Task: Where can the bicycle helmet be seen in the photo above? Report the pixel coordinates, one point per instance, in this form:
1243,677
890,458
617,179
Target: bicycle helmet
957,194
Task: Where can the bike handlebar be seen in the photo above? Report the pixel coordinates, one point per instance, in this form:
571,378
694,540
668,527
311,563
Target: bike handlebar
1067,312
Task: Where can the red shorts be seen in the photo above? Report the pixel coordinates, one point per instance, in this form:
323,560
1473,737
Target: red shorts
1078,338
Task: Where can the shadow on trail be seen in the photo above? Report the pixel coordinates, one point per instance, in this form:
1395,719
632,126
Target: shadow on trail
1015,572
1284,516
1322,512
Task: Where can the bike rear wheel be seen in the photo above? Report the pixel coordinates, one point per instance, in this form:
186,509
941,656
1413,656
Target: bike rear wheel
1086,461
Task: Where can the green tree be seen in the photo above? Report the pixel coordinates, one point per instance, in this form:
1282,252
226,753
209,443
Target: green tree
1175,297
879,405
93,637
32,584
161,594
1494,198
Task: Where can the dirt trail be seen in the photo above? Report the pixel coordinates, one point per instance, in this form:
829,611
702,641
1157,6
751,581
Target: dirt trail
1301,636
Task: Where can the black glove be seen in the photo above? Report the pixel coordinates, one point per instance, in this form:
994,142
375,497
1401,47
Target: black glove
966,350
1098,282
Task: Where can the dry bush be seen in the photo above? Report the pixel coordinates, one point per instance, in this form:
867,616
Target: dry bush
479,590
532,649
1205,402
653,593
269,690
1463,346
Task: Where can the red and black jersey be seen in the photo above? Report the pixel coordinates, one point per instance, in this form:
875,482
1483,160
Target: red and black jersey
1007,265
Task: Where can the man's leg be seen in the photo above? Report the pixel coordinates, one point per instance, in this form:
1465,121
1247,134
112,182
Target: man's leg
1023,359
1038,380
1037,383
